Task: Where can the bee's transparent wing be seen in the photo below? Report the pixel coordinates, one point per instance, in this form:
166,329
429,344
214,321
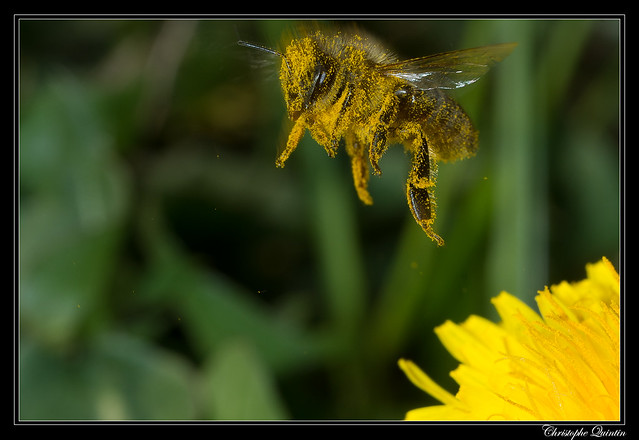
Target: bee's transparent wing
263,59
448,70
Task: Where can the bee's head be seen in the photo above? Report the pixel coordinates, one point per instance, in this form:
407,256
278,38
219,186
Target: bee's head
305,75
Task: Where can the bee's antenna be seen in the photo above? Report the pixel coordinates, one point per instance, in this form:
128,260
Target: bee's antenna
264,49
259,47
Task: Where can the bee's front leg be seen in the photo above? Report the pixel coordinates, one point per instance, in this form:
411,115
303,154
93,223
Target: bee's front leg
419,188
294,138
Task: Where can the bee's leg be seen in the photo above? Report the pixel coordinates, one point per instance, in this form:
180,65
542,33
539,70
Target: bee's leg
378,148
355,150
345,98
420,186
291,144
380,132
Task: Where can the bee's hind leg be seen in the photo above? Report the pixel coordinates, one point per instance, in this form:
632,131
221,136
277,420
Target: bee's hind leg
420,186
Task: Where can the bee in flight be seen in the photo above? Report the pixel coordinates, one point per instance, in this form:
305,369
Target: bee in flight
345,85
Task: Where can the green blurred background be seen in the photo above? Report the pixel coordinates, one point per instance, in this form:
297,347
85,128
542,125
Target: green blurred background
168,269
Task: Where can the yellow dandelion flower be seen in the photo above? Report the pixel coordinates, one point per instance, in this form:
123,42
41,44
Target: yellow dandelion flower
560,365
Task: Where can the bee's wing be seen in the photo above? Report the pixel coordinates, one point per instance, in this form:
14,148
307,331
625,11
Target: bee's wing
263,59
448,70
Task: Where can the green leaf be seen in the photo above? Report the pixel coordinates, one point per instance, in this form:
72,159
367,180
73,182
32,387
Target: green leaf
239,385
62,293
114,377
74,196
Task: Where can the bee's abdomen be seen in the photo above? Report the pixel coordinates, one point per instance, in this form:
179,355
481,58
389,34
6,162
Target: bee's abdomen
448,129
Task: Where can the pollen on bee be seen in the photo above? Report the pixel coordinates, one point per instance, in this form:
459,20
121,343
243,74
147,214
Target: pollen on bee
346,85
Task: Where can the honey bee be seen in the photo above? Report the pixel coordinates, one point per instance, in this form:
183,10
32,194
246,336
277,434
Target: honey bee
346,85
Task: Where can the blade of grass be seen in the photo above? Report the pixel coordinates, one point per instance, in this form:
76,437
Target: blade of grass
335,233
517,258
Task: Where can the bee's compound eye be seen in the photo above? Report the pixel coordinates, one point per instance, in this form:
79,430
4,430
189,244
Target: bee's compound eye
320,76
318,81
